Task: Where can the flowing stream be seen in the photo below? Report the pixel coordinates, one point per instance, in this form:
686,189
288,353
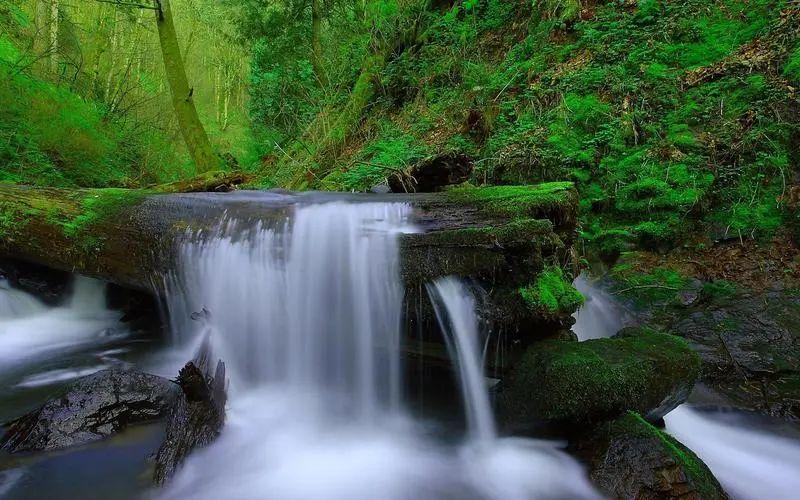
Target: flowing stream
306,310
30,330
600,315
751,463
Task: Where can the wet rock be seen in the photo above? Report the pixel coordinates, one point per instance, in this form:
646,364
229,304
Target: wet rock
92,408
578,382
750,349
433,174
629,458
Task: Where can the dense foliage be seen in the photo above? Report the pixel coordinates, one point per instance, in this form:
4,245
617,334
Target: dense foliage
672,118
666,114
83,100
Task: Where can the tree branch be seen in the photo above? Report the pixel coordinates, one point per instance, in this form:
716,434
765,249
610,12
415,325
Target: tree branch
129,4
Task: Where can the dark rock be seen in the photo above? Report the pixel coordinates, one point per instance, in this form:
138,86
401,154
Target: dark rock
92,408
433,174
629,458
48,285
750,349
577,382
195,420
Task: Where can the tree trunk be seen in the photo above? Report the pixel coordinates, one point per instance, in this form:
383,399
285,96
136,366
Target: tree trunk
316,43
194,135
54,23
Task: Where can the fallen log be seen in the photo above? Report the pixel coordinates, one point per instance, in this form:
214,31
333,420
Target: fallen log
128,236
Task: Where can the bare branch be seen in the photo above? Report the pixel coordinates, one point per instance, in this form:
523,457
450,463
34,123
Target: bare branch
129,4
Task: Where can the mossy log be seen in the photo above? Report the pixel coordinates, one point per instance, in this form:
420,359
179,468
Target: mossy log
127,236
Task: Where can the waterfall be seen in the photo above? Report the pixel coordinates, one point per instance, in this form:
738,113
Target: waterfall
305,307
16,303
601,314
313,301
454,305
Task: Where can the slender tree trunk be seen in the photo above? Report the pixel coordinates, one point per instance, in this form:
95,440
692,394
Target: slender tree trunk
54,22
316,43
182,102
113,58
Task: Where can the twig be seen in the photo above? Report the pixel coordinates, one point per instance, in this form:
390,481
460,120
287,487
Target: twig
645,286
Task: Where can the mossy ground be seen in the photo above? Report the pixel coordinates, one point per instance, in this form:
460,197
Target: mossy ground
606,95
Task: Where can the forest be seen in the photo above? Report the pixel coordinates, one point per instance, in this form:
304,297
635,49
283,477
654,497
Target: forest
342,249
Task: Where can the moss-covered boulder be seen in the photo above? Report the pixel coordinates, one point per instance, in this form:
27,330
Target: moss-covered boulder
629,458
577,382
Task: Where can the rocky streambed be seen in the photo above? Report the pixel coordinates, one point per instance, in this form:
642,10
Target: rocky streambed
606,397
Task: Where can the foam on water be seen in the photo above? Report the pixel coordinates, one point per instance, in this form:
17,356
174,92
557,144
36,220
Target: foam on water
307,314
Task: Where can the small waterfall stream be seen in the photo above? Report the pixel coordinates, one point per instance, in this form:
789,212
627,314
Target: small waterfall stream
306,311
454,305
31,330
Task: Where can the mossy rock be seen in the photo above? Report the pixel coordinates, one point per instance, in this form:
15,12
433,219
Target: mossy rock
630,458
552,293
578,382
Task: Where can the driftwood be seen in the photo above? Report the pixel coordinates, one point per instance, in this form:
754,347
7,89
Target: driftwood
197,417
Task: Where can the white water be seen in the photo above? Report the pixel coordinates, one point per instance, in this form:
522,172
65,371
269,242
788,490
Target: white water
30,330
750,464
601,315
307,315
455,310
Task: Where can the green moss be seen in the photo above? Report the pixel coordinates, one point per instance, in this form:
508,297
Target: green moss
719,290
95,206
519,201
552,293
598,379
792,67
632,423
659,285
517,233
12,220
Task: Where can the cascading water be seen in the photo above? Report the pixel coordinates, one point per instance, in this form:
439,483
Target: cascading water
313,302
750,464
29,329
306,311
454,305
601,315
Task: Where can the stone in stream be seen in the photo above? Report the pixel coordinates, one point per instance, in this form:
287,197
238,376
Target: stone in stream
629,458
91,408
579,382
